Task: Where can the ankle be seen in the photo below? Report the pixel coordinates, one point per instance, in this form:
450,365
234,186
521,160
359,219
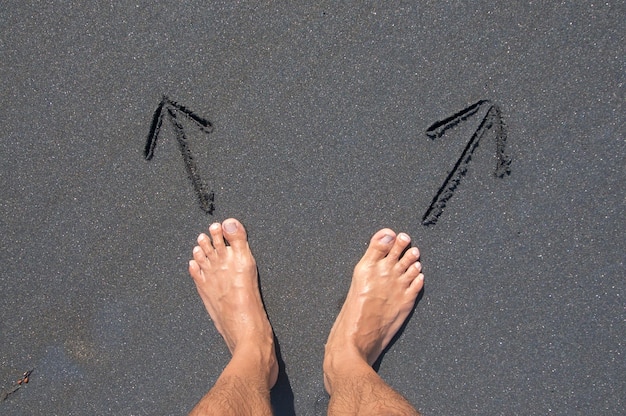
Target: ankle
255,356
341,363
256,348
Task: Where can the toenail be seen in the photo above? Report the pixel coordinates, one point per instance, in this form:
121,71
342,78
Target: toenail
404,237
386,239
230,227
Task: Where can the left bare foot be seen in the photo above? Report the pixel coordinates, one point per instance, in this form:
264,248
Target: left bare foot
227,281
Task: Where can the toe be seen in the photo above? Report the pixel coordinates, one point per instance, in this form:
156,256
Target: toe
199,257
417,284
194,269
195,266
217,238
205,244
410,257
235,234
400,244
380,244
412,272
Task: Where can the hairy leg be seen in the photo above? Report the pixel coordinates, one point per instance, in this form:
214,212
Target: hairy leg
227,281
384,287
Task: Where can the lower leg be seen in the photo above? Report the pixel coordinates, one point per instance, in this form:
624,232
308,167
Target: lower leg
241,389
384,287
356,389
227,281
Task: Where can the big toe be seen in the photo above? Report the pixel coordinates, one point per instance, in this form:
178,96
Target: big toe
235,233
380,245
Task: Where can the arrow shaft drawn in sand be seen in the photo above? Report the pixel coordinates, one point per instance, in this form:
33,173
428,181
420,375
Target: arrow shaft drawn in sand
492,119
172,108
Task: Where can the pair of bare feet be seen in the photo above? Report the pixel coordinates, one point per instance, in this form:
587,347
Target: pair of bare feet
384,287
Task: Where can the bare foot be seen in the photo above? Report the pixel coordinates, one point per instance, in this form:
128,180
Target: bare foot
227,281
382,293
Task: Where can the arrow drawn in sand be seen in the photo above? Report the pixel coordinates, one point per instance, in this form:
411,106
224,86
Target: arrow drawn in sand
173,110
491,121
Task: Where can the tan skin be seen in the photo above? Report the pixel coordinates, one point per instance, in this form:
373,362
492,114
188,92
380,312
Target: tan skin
385,284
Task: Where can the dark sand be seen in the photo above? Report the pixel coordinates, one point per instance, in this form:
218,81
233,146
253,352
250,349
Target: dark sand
319,118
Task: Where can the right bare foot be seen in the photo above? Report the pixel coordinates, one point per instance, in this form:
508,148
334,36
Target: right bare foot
227,281
384,287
